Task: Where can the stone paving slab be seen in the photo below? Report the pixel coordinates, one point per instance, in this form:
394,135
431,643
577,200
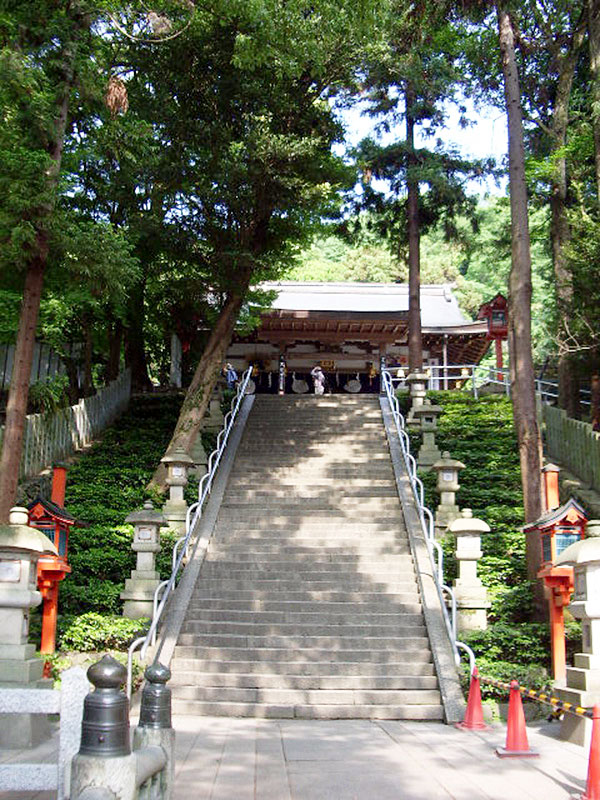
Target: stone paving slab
221,758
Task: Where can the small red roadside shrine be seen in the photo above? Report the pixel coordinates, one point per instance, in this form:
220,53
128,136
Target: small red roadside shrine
50,517
559,527
495,312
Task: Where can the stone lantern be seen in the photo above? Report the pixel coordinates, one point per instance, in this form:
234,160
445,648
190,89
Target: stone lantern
140,587
178,463
471,594
20,548
427,415
417,382
583,679
447,486
213,420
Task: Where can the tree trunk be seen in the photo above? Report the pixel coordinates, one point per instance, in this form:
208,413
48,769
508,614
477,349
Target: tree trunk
519,296
205,377
415,339
115,339
594,45
16,408
560,233
88,351
135,352
206,374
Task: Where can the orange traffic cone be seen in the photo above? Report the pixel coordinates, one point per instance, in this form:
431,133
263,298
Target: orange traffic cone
516,734
473,720
592,788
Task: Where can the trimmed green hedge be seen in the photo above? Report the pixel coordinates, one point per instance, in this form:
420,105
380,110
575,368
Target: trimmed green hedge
480,433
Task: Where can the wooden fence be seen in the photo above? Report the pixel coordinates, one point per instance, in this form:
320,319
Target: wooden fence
52,436
573,444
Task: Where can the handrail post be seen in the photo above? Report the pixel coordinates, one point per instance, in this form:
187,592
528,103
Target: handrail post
105,760
154,728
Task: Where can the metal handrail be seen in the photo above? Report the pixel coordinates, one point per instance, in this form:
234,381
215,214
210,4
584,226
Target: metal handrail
194,513
434,548
473,376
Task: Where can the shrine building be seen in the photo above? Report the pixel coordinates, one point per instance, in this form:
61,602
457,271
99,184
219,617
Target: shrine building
350,329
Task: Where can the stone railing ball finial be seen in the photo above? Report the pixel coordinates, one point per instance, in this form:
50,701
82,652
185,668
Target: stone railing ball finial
105,725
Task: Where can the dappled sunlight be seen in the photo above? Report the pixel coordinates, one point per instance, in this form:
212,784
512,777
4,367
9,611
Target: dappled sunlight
307,604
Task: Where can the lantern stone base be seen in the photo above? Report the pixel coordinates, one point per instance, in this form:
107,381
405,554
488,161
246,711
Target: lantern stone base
20,668
429,452
213,420
446,514
198,453
472,605
139,593
175,512
577,730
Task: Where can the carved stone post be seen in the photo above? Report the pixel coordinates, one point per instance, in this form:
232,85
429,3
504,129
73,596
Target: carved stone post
427,415
140,587
175,508
583,678
447,486
20,548
470,593
417,382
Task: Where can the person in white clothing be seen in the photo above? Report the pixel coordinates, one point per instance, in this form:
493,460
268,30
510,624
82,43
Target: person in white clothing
319,379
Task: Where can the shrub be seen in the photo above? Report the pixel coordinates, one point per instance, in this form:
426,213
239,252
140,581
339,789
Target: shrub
93,631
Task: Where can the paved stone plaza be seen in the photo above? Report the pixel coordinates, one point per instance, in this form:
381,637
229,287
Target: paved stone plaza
248,759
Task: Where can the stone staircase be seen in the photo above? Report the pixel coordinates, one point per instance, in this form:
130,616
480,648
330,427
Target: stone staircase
307,603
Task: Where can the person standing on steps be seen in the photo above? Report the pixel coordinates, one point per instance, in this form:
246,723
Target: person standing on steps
318,379
230,376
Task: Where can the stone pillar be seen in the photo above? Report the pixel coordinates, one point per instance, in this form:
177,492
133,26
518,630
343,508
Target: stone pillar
20,548
176,356
213,421
429,452
175,508
583,678
471,594
417,382
199,457
140,587
447,486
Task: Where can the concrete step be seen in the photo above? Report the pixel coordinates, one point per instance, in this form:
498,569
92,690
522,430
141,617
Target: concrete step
304,608
309,569
243,484
306,556
290,670
263,711
303,595
352,530
393,586
292,697
306,642
382,516
292,494
290,681
281,655
216,616
298,631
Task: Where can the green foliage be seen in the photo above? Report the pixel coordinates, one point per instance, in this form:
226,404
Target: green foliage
93,631
103,487
49,395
